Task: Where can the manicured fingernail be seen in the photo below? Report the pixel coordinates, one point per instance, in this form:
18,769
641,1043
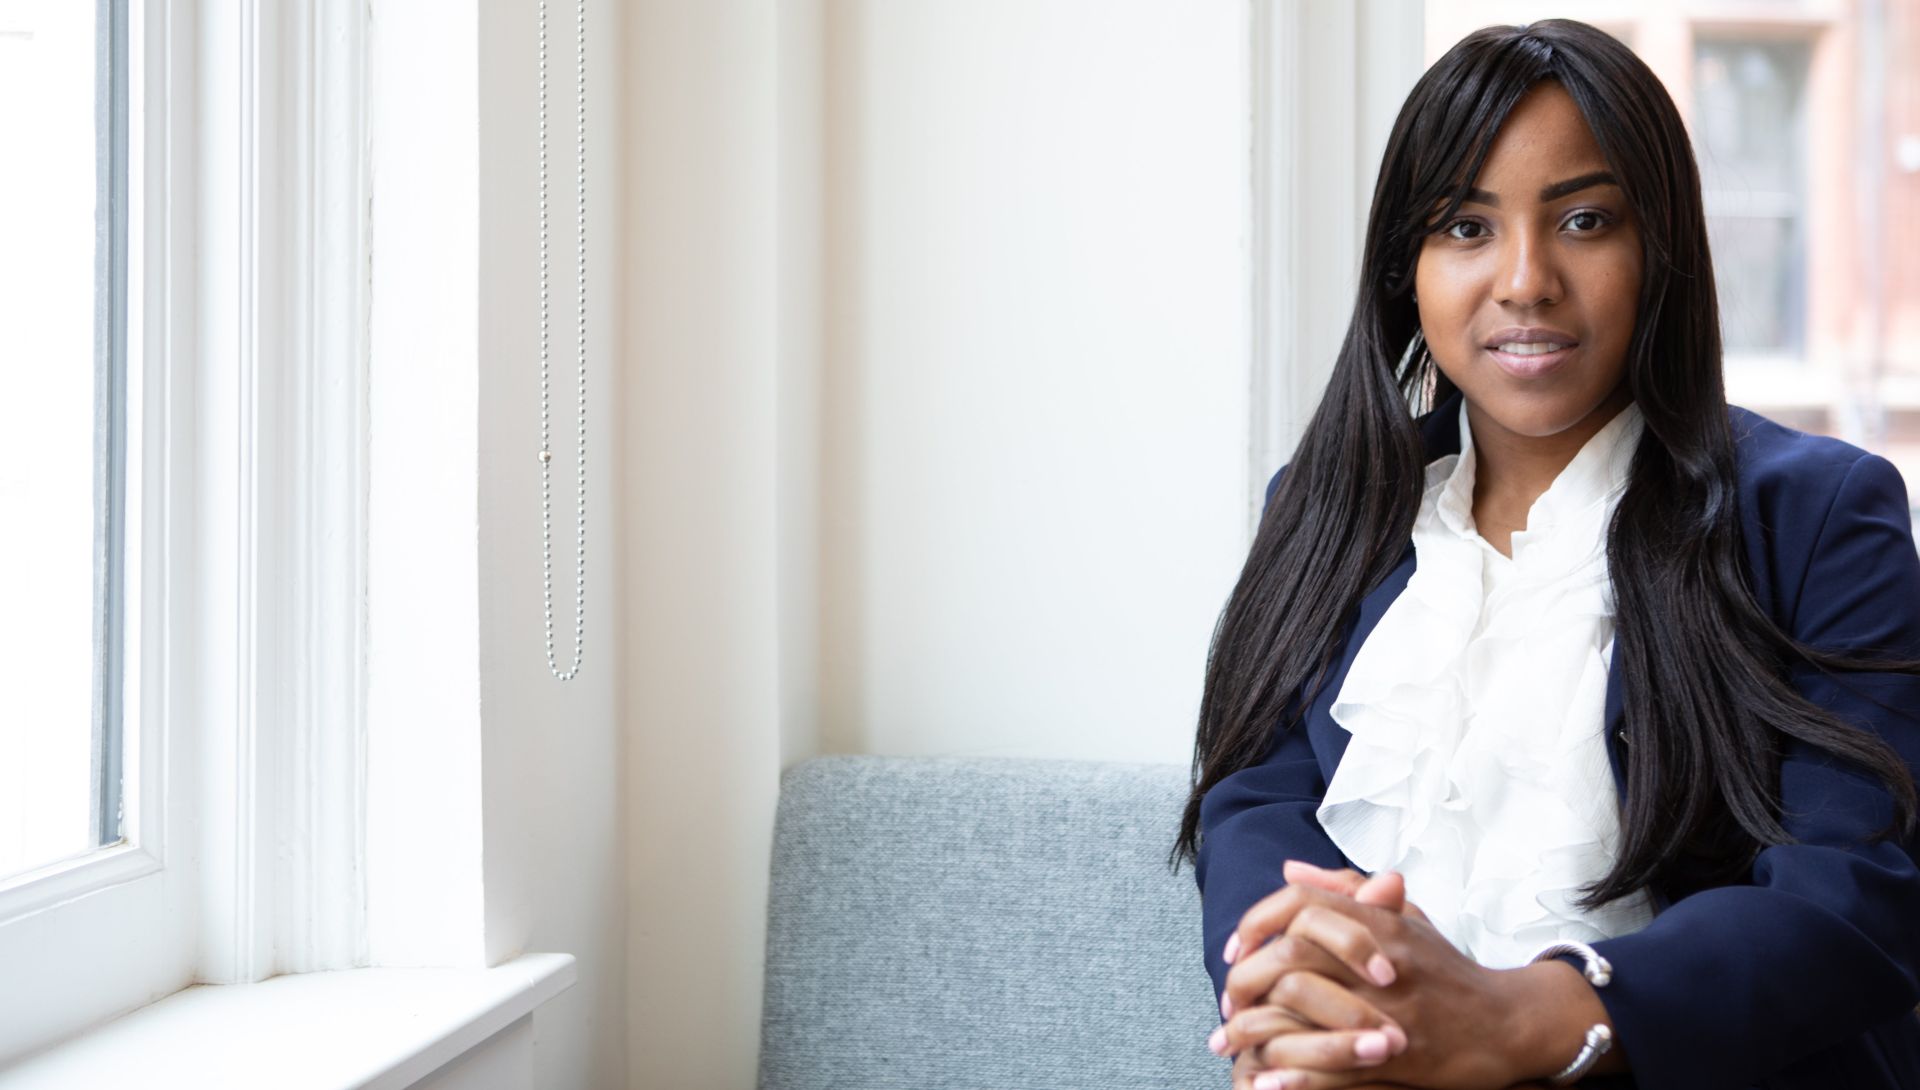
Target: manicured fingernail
1218,1042
1381,969
1371,1048
1233,947
1396,1037
1275,1080
1226,1005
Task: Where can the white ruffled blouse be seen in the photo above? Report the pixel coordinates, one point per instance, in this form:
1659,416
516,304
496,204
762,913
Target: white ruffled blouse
1478,763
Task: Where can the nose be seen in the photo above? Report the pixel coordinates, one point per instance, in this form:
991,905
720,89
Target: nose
1529,274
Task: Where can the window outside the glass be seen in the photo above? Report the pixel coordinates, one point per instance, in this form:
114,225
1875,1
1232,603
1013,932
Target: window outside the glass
62,232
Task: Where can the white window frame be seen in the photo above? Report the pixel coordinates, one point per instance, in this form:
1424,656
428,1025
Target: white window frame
245,550
1328,78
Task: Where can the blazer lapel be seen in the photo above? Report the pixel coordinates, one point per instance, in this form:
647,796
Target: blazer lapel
1328,737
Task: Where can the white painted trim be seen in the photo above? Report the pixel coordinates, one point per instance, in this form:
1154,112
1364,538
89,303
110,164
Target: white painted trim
58,883
359,1029
283,781
229,943
1327,78
322,922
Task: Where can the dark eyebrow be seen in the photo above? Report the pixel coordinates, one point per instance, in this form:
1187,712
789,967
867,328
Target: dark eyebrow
1553,192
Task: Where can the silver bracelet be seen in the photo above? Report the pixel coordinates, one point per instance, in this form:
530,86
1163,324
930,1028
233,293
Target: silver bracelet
1597,970
1599,1039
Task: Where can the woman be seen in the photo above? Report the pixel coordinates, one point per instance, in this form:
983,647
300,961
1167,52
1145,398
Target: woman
1617,684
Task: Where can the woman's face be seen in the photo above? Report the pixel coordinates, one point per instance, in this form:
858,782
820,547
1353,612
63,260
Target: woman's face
1528,296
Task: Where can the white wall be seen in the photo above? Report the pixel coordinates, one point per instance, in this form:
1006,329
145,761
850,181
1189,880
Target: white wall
702,672
456,520
936,421
555,821
1035,391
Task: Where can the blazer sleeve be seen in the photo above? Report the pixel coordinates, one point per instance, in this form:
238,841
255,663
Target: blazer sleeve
1732,983
1251,822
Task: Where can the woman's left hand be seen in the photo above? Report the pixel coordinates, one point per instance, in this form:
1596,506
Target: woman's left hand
1245,1074
1441,999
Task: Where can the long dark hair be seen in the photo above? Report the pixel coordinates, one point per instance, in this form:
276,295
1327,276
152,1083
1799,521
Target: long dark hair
1702,775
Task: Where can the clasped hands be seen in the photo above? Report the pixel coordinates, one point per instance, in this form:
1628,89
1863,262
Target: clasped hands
1358,989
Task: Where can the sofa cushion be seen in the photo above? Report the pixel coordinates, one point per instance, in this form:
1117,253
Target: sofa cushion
948,923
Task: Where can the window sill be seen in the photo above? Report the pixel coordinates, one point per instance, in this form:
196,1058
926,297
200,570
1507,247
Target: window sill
369,1029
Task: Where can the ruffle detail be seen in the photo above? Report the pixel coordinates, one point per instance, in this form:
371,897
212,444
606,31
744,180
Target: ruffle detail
1477,764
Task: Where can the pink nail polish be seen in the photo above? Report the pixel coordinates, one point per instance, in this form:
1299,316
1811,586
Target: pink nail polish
1275,1080
1226,1005
1233,948
1217,1043
1371,1047
1396,1038
1382,970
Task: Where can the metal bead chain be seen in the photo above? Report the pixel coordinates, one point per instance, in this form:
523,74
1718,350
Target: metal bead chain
580,353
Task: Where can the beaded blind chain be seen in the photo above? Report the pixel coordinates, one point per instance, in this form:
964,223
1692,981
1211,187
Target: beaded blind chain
579,353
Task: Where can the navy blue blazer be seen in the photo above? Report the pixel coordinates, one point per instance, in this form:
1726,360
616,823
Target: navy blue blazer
1806,975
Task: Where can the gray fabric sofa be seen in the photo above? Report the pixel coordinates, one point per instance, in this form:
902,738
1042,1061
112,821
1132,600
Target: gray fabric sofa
983,924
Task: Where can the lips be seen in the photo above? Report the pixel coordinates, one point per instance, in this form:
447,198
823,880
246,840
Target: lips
1530,351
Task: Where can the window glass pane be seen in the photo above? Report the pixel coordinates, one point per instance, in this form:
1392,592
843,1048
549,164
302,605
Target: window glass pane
1751,144
1805,119
58,444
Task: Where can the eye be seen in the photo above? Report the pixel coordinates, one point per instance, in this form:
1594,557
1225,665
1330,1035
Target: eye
1588,220
1464,229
